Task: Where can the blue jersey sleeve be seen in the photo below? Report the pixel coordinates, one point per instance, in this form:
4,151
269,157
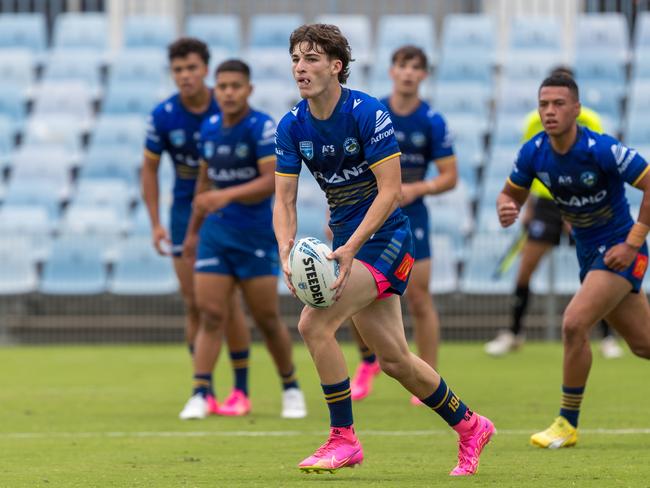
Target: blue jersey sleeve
442,143
621,160
523,172
376,132
288,161
265,139
155,141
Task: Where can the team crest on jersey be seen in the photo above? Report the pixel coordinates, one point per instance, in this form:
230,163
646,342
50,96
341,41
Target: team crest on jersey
588,178
177,137
208,149
241,150
351,146
307,149
418,139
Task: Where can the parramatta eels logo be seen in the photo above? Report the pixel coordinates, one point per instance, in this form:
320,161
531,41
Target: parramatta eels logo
177,137
241,150
588,178
302,285
208,149
351,146
307,149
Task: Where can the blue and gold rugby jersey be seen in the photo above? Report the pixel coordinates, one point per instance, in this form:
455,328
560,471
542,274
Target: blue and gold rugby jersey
176,130
340,151
233,155
422,137
587,183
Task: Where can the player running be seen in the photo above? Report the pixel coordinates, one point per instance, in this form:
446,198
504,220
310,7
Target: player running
544,226
423,137
174,127
236,244
346,140
585,172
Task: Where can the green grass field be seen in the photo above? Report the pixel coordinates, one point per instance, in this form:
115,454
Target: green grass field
107,416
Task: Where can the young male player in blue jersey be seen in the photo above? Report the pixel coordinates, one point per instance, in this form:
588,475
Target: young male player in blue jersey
174,127
346,140
585,172
236,244
423,137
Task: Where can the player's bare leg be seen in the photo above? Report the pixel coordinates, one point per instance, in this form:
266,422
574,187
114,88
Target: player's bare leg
185,273
631,318
423,312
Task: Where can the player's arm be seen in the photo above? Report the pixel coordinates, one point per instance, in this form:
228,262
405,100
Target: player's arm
509,203
203,186
389,193
151,196
445,180
285,219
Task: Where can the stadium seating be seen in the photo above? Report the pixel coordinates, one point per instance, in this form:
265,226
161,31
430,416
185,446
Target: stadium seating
272,31
75,66
18,269
356,28
76,266
139,270
270,65
87,31
394,31
140,66
642,31
566,270
13,105
134,98
468,36
602,34
217,31
444,275
148,31
23,30
40,191
6,140
535,34
274,97
479,275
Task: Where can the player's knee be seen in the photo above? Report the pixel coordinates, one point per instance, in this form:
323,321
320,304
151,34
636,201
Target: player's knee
419,301
641,350
212,317
312,330
395,365
574,326
269,324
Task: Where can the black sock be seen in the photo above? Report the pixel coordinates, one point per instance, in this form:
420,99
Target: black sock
604,328
519,309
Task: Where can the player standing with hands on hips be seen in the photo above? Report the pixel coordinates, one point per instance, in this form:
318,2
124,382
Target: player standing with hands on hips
346,140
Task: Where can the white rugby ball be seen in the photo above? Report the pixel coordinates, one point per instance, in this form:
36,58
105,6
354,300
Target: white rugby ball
312,274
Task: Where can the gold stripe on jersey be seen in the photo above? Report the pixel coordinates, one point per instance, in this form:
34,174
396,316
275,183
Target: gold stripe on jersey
287,175
446,160
515,185
187,172
641,175
151,155
350,194
602,215
267,159
373,165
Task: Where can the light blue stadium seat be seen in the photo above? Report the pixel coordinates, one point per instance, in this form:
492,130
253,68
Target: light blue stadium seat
81,31
642,31
17,68
270,65
13,105
469,36
637,131
28,220
130,99
7,142
80,65
104,192
540,283
61,130
508,131
140,66
23,30
566,270
444,273
96,220
468,145
530,67
356,28
484,252
450,213
395,31
602,85
465,70
140,223
530,33
312,208
217,31
501,159
602,34
462,98
112,162
43,162
64,98
641,63
18,273
40,192
139,270
119,132
602,97
272,30
76,267
516,99
634,197
274,97
148,31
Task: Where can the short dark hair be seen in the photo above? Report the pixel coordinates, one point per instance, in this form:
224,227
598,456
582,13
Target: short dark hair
561,80
184,46
236,65
408,52
563,70
325,38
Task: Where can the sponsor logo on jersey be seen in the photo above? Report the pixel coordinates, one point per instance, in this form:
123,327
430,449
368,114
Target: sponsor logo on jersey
242,150
404,268
351,146
328,150
224,150
418,139
231,174
382,119
306,149
346,174
383,135
640,266
208,149
356,103
588,178
177,137
581,201
623,156
565,180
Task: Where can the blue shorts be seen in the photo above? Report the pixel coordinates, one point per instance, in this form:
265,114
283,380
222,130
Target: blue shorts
592,258
389,250
419,220
242,253
181,212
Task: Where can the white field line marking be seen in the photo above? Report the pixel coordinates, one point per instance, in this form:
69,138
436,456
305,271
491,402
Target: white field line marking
283,433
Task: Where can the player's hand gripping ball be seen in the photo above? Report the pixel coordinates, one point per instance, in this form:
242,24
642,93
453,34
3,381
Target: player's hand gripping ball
312,274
